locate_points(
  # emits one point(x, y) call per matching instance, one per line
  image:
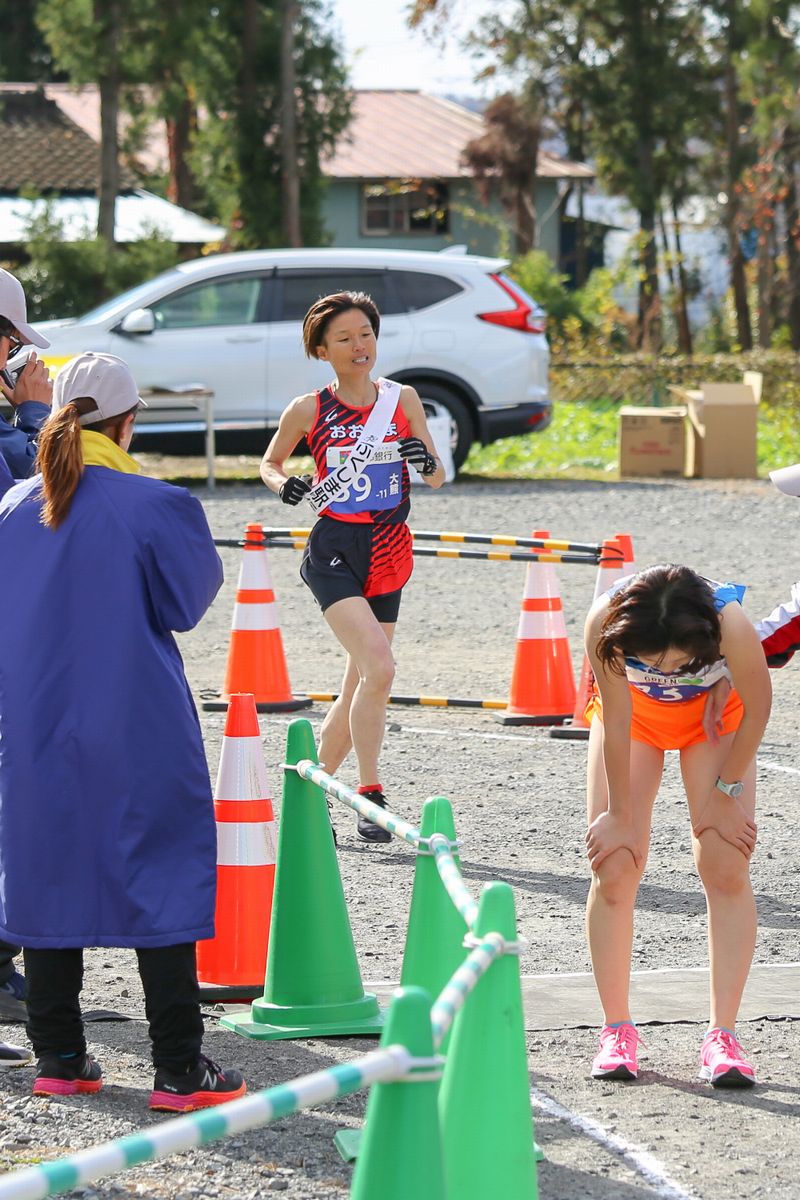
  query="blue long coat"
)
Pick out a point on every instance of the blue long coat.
point(107, 831)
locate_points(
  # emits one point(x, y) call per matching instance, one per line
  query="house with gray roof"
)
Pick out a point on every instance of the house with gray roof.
point(397, 178)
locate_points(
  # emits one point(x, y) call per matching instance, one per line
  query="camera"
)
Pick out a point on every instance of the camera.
point(12, 370)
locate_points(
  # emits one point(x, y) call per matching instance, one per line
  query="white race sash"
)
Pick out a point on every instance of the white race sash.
point(336, 486)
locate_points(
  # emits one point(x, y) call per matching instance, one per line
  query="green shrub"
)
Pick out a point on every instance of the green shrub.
point(638, 379)
point(536, 274)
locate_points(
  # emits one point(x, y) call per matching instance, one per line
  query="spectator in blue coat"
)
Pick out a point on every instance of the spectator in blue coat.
point(30, 398)
point(6, 478)
point(107, 820)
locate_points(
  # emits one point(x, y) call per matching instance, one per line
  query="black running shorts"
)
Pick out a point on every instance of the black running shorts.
point(336, 564)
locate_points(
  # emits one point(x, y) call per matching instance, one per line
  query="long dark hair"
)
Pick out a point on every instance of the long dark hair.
point(661, 608)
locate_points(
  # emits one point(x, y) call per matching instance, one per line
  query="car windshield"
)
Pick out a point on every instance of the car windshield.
point(125, 300)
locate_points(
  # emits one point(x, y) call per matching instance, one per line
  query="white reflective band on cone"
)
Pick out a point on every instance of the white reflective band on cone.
point(254, 571)
point(541, 625)
point(242, 774)
point(245, 843)
point(254, 616)
point(606, 576)
point(540, 582)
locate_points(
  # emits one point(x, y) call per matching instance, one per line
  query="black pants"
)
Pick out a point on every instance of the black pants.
point(7, 953)
point(171, 1000)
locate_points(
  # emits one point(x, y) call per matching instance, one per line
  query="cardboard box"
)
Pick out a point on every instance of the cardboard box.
point(652, 441)
point(723, 421)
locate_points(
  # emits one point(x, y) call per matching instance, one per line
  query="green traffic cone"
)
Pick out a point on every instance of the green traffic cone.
point(313, 986)
point(484, 1098)
point(435, 939)
point(401, 1153)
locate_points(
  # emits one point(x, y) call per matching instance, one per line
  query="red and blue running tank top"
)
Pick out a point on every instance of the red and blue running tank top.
point(381, 494)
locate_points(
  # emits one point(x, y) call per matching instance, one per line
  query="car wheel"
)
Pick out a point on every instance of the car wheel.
point(439, 401)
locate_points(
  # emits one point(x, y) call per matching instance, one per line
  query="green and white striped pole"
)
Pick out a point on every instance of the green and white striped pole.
point(197, 1129)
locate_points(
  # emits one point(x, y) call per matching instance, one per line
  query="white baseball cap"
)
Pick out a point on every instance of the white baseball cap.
point(787, 479)
point(15, 310)
point(103, 378)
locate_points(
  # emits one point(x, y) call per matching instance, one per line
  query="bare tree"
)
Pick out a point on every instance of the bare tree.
point(107, 18)
point(290, 176)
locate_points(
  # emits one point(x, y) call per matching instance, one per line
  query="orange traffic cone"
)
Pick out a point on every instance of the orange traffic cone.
point(542, 686)
point(256, 662)
point(616, 561)
point(235, 959)
point(629, 563)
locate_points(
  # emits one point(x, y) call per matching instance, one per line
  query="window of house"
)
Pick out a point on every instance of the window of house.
point(404, 206)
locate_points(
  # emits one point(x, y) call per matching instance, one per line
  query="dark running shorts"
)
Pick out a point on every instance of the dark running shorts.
point(337, 563)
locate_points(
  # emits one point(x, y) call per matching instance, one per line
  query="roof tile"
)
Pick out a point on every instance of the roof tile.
point(44, 150)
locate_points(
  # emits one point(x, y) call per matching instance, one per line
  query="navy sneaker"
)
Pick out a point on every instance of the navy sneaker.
point(57, 1076)
point(203, 1087)
point(13, 1056)
point(368, 830)
point(12, 999)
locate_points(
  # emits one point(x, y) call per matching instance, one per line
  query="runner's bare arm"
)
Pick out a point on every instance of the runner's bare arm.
point(615, 695)
point(613, 829)
point(741, 647)
point(296, 420)
point(418, 424)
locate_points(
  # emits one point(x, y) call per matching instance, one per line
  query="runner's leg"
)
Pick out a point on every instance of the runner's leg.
point(725, 874)
point(612, 894)
point(335, 740)
point(369, 647)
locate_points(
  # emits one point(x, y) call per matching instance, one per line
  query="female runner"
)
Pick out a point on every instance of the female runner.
point(358, 556)
point(657, 643)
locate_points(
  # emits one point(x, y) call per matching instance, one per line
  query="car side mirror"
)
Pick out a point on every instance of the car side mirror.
point(138, 320)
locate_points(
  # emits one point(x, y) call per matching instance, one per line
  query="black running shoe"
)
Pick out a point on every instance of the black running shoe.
point(12, 999)
point(368, 830)
point(333, 827)
point(67, 1076)
point(203, 1087)
point(14, 1056)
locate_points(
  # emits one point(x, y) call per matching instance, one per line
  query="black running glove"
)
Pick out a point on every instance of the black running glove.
point(295, 488)
point(414, 450)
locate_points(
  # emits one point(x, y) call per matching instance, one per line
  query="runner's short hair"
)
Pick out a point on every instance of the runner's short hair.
point(322, 312)
point(662, 608)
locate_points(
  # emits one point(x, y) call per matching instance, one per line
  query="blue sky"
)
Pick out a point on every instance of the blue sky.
point(383, 52)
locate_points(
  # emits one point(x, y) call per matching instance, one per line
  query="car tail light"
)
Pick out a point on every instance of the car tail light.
point(521, 316)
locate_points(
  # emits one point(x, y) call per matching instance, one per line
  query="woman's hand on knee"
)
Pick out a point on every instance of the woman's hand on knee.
point(608, 833)
point(725, 816)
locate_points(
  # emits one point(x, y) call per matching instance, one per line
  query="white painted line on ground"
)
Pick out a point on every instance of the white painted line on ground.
point(770, 765)
point(468, 733)
point(640, 1160)
point(555, 976)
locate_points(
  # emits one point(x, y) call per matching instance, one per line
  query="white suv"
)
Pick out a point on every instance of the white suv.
point(455, 326)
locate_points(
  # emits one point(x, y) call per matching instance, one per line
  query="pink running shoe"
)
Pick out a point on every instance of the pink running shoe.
point(722, 1061)
point(616, 1058)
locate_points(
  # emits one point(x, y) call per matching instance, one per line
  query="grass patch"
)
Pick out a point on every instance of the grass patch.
point(582, 443)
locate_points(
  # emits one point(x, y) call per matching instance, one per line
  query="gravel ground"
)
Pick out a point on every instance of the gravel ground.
point(518, 799)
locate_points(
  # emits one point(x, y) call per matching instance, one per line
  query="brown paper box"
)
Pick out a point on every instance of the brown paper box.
point(652, 441)
point(723, 420)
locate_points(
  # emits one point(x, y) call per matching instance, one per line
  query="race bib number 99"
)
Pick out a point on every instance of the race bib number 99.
point(378, 486)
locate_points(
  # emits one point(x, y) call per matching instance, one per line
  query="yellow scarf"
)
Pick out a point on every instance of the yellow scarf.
point(100, 451)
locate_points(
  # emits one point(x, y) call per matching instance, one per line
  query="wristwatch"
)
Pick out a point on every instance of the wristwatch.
point(730, 789)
